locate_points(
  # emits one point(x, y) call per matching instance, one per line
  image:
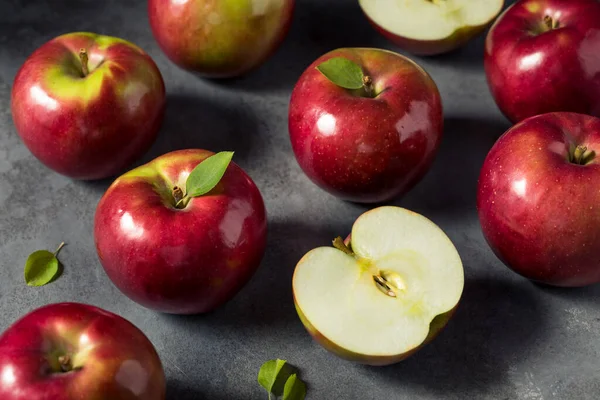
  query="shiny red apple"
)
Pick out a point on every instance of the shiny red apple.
point(88, 105)
point(366, 145)
point(543, 56)
point(219, 38)
point(71, 351)
point(539, 202)
point(180, 259)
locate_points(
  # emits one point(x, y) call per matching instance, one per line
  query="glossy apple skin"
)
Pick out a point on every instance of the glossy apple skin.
point(181, 261)
point(432, 47)
point(537, 210)
point(112, 359)
point(92, 127)
point(557, 70)
point(363, 149)
point(219, 38)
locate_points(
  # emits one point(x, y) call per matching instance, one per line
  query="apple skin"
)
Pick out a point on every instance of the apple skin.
point(436, 326)
point(181, 261)
point(111, 358)
point(361, 149)
point(219, 38)
point(92, 127)
point(458, 39)
point(557, 70)
point(537, 210)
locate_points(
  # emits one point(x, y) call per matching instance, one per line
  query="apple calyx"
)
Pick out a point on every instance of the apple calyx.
point(83, 58)
point(551, 23)
point(581, 155)
point(389, 283)
point(65, 363)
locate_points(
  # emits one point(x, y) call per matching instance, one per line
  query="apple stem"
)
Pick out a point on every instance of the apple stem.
point(339, 244)
point(65, 363)
point(83, 57)
point(581, 155)
point(368, 85)
point(550, 22)
point(177, 194)
point(59, 248)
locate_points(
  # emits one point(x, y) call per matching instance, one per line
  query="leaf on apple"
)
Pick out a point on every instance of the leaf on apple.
point(275, 375)
point(343, 72)
point(207, 174)
point(294, 389)
point(41, 267)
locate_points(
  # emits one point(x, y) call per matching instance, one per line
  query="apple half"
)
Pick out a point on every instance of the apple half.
point(386, 291)
point(428, 27)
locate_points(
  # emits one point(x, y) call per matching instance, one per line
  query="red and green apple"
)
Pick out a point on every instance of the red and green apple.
point(371, 135)
point(220, 38)
point(88, 105)
point(71, 351)
point(384, 292)
point(538, 199)
point(541, 56)
point(171, 251)
point(429, 27)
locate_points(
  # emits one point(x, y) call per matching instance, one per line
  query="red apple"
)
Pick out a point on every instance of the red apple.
point(538, 199)
point(429, 27)
point(542, 56)
point(366, 145)
point(179, 259)
point(219, 38)
point(71, 351)
point(87, 105)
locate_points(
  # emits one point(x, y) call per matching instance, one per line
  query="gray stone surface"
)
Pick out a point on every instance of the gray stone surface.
point(510, 339)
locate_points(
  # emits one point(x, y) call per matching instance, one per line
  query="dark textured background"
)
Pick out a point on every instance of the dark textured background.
point(509, 339)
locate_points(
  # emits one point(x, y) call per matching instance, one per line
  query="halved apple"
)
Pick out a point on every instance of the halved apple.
point(383, 293)
point(428, 27)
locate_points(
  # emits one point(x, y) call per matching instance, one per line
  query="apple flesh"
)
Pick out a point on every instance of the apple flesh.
point(88, 105)
point(429, 27)
point(541, 56)
point(180, 260)
point(71, 351)
point(386, 294)
point(537, 199)
point(366, 148)
point(220, 38)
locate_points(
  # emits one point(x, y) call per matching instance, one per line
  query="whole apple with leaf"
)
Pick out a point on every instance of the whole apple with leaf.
point(365, 124)
point(183, 233)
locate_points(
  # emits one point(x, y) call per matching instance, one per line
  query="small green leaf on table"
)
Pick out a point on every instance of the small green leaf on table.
point(275, 375)
point(41, 267)
point(267, 376)
point(343, 72)
point(294, 388)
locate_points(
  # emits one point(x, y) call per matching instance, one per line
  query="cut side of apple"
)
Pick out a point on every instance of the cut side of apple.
point(431, 26)
point(374, 301)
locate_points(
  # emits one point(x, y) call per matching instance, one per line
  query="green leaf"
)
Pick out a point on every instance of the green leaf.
point(267, 376)
point(343, 72)
point(41, 267)
point(294, 389)
point(207, 174)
